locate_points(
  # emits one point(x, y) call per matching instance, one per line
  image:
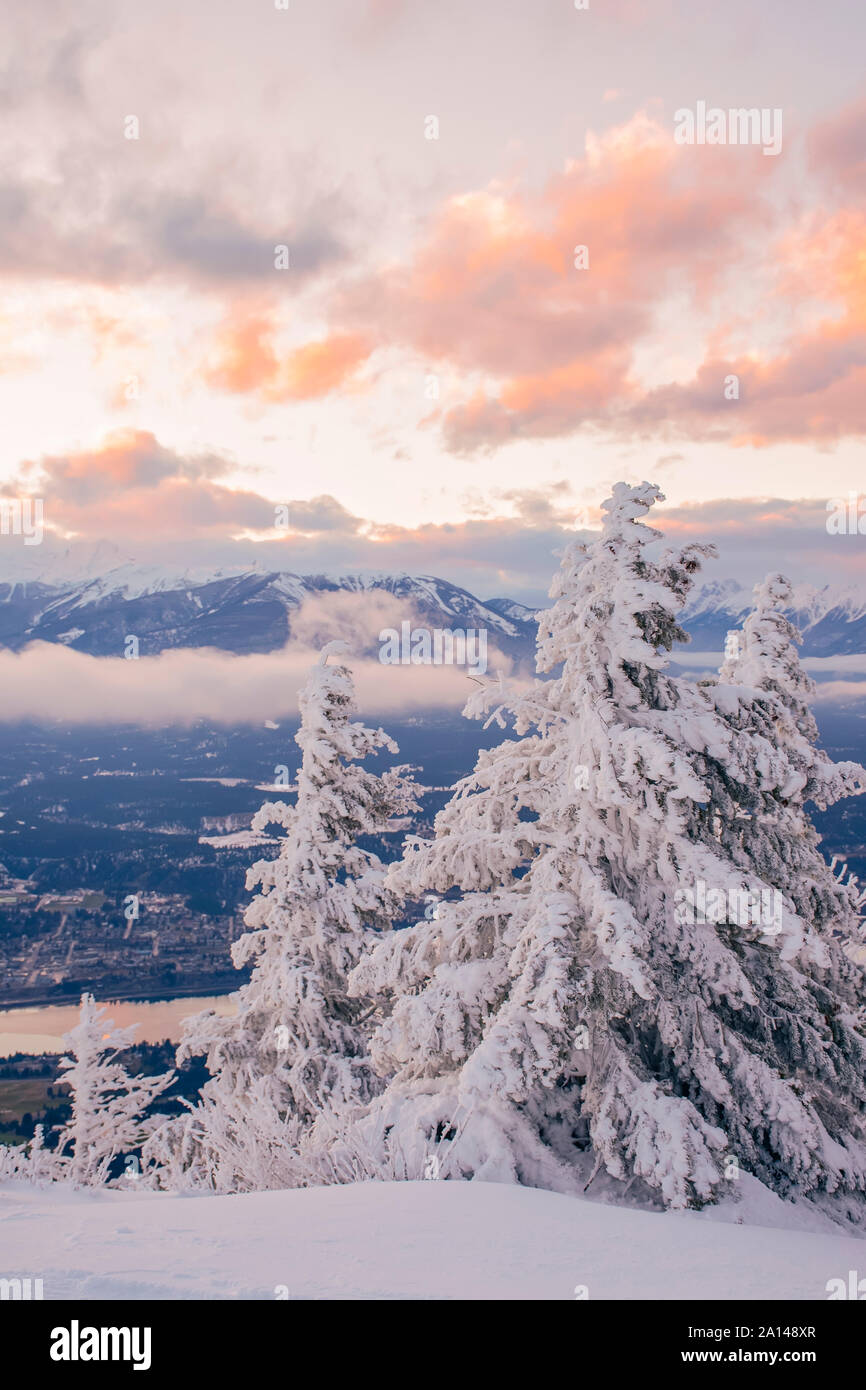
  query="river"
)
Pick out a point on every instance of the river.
point(41, 1028)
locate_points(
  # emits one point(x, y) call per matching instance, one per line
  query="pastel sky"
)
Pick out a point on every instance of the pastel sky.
point(432, 384)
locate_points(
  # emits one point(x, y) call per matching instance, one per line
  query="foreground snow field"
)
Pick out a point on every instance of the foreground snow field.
point(440, 1240)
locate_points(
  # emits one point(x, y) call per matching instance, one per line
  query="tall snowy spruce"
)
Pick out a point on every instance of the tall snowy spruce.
point(637, 968)
point(297, 1048)
point(765, 659)
point(109, 1106)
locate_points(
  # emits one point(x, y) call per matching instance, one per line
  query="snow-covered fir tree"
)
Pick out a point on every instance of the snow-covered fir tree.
point(633, 976)
point(109, 1105)
point(764, 657)
point(32, 1161)
point(297, 1047)
point(766, 661)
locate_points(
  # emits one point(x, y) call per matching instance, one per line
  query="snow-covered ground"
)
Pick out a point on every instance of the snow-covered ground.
point(440, 1240)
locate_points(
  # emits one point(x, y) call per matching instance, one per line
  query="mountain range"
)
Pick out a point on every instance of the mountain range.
point(252, 610)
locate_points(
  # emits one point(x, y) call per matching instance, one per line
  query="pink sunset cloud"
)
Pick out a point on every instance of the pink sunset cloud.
point(501, 287)
point(247, 361)
point(495, 289)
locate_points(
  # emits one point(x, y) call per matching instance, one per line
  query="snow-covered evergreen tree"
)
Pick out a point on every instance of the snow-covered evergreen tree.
point(108, 1104)
point(15, 1158)
point(33, 1161)
point(767, 660)
point(297, 1047)
point(630, 976)
point(778, 713)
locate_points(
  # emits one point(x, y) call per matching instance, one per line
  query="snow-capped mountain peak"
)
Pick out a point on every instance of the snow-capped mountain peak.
point(88, 597)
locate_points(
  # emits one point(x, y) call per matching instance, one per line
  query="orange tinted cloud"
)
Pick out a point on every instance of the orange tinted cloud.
point(812, 388)
point(246, 358)
point(316, 369)
point(497, 292)
point(127, 460)
point(137, 487)
point(248, 363)
point(498, 286)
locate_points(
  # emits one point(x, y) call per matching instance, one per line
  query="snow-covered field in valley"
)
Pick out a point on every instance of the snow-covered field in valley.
point(421, 1240)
